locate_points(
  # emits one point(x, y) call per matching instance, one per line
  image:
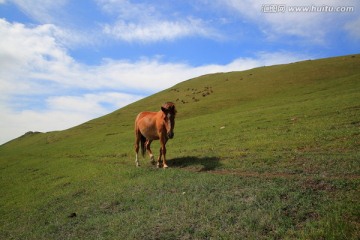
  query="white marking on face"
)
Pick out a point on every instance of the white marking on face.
point(169, 117)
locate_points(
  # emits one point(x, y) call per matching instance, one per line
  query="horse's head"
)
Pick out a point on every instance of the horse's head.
point(170, 112)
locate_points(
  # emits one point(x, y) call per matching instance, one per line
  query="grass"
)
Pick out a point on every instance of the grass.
point(269, 153)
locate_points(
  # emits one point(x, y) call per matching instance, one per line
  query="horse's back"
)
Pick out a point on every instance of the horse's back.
point(147, 115)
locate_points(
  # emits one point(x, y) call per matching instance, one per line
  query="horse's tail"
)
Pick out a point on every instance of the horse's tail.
point(142, 143)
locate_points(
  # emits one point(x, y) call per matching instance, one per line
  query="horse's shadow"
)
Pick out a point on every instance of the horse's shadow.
point(206, 163)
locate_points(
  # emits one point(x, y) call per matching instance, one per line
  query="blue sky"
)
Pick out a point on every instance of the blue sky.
point(65, 62)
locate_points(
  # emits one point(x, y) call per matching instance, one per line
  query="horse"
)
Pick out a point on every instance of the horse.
point(151, 126)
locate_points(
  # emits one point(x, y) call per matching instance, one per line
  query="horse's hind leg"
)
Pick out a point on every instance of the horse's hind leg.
point(147, 144)
point(137, 140)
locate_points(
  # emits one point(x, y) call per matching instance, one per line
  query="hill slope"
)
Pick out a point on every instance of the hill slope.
point(285, 137)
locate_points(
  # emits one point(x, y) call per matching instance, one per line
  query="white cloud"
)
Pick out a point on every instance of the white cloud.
point(43, 11)
point(15, 124)
point(91, 104)
point(125, 9)
point(142, 22)
point(155, 30)
point(260, 59)
point(30, 55)
point(61, 112)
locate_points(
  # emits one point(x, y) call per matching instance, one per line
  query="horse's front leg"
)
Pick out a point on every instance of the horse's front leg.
point(159, 159)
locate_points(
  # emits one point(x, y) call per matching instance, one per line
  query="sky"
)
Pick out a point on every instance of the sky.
point(64, 62)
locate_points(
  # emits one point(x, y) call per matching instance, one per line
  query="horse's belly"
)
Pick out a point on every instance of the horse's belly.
point(150, 133)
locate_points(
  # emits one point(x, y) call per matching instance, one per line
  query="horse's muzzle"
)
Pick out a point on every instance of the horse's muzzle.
point(170, 135)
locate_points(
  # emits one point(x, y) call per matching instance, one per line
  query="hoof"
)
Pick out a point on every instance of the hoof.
point(165, 166)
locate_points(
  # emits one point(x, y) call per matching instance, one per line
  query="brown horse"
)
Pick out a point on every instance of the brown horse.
point(151, 126)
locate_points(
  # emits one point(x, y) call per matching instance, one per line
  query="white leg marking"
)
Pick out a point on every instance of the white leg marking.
point(137, 161)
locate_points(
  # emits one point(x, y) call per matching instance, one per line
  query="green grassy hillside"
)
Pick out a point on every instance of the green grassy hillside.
point(272, 152)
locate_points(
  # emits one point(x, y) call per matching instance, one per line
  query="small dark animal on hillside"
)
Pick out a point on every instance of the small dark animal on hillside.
point(151, 126)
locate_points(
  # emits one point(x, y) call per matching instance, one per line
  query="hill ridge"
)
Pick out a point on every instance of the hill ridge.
point(192, 95)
